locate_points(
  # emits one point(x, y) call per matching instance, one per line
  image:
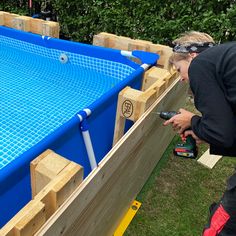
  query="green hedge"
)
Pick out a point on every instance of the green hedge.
point(155, 20)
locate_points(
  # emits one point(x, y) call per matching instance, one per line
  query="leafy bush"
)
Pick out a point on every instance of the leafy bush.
point(155, 20)
point(14, 6)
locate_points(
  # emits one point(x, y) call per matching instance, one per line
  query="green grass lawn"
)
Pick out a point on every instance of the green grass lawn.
point(176, 198)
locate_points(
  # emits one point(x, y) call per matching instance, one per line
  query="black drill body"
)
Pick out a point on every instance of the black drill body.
point(187, 149)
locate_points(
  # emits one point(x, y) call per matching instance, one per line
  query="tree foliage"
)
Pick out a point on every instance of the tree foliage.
point(155, 20)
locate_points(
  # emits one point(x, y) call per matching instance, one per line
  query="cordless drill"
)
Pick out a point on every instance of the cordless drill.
point(186, 149)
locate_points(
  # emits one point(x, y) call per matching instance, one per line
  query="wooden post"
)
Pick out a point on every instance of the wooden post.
point(59, 188)
point(1, 18)
point(9, 19)
point(50, 28)
point(105, 40)
point(27, 221)
point(152, 75)
point(126, 109)
point(131, 105)
point(164, 51)
point(22, 23)
point(45, 168)
point(29, 24)
point(54, 178)
point(125, 43)
point(139, 45)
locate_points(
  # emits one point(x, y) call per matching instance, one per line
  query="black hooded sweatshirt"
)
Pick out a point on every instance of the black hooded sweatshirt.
point(212, 76)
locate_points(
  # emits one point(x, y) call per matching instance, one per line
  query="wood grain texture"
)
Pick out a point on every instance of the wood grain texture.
point(103, 198)
point(209, 160)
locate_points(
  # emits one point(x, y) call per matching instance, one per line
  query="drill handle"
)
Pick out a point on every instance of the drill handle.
point(189, 139)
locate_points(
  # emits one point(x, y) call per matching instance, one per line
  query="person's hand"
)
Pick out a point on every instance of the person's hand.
point(181, 121)
point(190, 132)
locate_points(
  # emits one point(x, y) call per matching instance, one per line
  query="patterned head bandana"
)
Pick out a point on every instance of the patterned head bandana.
point(193, 47)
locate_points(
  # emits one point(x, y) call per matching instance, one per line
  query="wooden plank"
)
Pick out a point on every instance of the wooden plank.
point(137, 44)
point(29, 24)
point(63, 177)
point(164, 51)
point(106, 194)
point(22, 23)
point(28, 220)
point(155, 74)
point(1, 18)
point(36, 26)
point(59, 188)
point(99, 40)
point(105, 40)
point(50, 28)
point(9, 19)
point(123, 43)
point(131, 105)
point(126, 107)
point(45, 168)
point(159, 86)
point(32, 221)
point(170, 79)
point(209, 160)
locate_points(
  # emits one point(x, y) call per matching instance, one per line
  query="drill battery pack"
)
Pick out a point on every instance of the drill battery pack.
point(187, 149)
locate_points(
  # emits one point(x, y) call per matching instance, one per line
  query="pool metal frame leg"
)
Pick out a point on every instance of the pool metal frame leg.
point(86, 137)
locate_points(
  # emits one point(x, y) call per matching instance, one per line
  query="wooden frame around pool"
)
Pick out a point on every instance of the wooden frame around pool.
point(100, 202)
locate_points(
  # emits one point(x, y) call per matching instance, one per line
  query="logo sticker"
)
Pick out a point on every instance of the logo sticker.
point(127, 108)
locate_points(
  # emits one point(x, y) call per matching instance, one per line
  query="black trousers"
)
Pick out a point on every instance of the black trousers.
point(222, 220)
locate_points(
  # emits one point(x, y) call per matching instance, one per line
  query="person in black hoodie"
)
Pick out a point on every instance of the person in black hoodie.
point(211, 71)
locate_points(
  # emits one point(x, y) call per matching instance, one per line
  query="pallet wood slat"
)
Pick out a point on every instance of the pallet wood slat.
point(208, 160)
point(27, 221)
point(62, 178)
point(133, 103)
point(29, 24)
point(137, 44)
point(60, 187)
point(36, 26)
point(156, 73)
point(32, 221)
point(1, 18)
point(105, 39)
point(9, 19)
point(22, 23)
point(125, 43)
point(164, 52)
point(50, 28)
point(45, 168)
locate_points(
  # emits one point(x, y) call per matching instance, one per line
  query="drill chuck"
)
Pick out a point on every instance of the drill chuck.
point(166, 115)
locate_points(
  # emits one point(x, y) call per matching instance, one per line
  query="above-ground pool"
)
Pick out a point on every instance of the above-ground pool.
point(52, 91)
